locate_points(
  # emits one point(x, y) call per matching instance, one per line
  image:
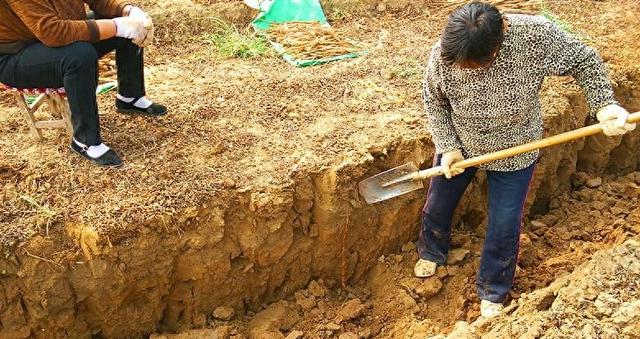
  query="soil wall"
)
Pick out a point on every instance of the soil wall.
point(247, 248)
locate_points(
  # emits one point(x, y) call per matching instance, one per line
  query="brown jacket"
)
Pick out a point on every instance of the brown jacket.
point(53, 22)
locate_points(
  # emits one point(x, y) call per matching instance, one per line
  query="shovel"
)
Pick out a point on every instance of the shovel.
point(407, 178)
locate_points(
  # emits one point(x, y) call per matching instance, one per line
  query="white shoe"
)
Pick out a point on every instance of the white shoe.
point(490, 309)
point(425, 268)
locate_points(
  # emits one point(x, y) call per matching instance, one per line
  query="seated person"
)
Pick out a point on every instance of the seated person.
point(51, 43)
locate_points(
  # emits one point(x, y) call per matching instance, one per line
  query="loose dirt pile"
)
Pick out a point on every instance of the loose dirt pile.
point(600, 299)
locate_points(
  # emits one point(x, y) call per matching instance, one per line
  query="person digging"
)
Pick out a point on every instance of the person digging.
point(52, 44)
point(481, 94)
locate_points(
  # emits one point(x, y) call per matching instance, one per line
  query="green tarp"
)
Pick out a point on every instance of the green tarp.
point(282, 11)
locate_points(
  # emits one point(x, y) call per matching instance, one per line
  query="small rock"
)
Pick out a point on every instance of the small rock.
point(594, 183)
point(618, 211)
point(332, 327)
point(224, 313)
point(280, 316)
point(456, 255)
point(348, 335)
point(352, 309)
point(429, 287)
point(306, 303)
point(228, 183)
point(579, 179)
point(381, 7)
point(462, 329)
point(441, 272)
point(599, 205)
point(606, 304)
point(627, 314)
point(200, 320)
point(397, 258)
point(316, 289)
point(266, 334)
point(536, 224)
point(452, 270)
point(410, 284)
point(295, 335)
point(407, 302)
point(222, 332)
point(550, 219)
point(409, 247)
point(387, 74)
point(218, 148)
point(323, 306)
point(619, 222)
point(365, 334)
point(584, 195)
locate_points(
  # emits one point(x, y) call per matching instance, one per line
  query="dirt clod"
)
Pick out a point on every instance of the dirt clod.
point(409, 247)
point(295, 335)
point(276, 317)
point(224, 313)
point(594, 183)
point(578, 179)
point(352, 309)
point(348, 335)
point(456, 255)
point(316, 289)
point(305, 302)
point(221, 332)
point(429, 287)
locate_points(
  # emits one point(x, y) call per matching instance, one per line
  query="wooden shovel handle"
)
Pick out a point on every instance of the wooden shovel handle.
point(528, 147)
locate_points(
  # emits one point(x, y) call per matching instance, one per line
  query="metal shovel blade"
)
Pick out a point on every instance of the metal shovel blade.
point(377, 188)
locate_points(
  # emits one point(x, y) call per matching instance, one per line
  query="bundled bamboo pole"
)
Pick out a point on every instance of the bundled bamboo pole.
point(310, 40)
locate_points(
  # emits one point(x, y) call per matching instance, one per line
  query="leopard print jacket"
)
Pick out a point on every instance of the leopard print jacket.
point(484, 110)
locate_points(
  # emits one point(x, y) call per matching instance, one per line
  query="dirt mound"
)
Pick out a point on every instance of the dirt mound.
point(600, 299)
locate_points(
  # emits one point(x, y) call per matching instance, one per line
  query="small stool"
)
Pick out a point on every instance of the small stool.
point(55, 99)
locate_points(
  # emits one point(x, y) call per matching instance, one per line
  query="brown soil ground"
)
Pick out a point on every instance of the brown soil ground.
point(251, 125)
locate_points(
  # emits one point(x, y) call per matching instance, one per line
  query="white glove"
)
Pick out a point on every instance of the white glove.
point(147, 39)
point(614, 120)
point(131, 28)
point(137, 13)
point(449, 159)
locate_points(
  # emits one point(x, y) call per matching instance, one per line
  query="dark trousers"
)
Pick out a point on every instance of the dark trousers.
point(75, 67)
point(507, 195)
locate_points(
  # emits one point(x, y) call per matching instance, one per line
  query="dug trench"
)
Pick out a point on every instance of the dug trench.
point(257, 248)
point(307, 256)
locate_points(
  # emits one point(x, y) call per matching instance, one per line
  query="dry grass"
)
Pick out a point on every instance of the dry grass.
point(311, 40)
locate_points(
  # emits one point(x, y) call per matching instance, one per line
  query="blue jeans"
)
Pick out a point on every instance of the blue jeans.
point(507, 195)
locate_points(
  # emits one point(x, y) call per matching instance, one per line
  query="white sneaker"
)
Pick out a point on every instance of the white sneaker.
point(490, 309)
point(425, 268)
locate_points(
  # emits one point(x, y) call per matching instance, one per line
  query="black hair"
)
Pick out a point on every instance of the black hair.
point(473, 34)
